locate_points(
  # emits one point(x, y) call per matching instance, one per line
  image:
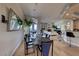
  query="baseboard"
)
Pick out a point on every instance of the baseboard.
point(17, 46)
point(72, 44)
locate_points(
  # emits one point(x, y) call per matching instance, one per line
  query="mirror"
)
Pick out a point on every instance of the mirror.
point(14, 22)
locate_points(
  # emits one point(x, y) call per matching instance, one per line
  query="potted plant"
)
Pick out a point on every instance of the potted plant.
point(27, 22)
point(26, 25)
point(19, 21)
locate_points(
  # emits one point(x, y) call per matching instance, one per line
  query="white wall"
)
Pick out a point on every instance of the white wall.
point(16, 7)
point(9, 41)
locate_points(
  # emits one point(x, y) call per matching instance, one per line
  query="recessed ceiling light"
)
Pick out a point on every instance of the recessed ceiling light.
point(34, 9)
point(36, 3)
point(64, 12)
point(67, 14)
point(74, 18)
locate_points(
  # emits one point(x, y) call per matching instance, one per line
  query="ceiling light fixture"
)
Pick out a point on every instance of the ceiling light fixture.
point(36, 3)
point(67, 14)
point(66, 8)
point(74, 18)
point(35, 7)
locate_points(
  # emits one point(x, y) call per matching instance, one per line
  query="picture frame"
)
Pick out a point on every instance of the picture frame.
point(12, 23)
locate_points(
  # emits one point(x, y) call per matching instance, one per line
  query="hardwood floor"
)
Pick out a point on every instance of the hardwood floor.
point(60, 49)
point(63, 49)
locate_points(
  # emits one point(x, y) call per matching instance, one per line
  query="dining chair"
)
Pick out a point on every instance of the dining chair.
point(44, 48)
point(28, 45)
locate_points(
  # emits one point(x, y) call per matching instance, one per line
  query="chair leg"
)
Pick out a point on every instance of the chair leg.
point(41, 50)
point(33, 49)
point(37, 50)
point(52, 48)
point(26, 51)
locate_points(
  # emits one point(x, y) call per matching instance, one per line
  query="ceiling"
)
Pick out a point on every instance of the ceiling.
point(72, 12)
point(46, 11)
